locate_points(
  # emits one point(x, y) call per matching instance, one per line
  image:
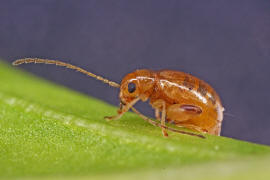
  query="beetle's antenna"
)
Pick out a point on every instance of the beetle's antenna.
point(165, 127)
point(70, 66)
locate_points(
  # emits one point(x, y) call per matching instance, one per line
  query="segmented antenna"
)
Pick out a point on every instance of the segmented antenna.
point(69, 66)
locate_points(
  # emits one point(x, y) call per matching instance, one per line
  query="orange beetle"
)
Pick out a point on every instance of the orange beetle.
point(180, 98)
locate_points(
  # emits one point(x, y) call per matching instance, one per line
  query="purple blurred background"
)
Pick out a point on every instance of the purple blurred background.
point(226, 43)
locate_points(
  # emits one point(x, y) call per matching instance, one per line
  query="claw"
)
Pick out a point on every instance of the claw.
point(165, 134)
point(109, 117)
point(113, 117)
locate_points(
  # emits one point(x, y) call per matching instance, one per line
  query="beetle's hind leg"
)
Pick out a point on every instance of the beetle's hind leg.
point(184, 115)
point(183, 112)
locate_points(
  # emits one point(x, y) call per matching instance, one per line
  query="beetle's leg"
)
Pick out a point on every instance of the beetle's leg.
point(163, 119)
point(157, 114)
point(184, 115)
point(157, 105)
point(123, 109)
point(183, 112)
point(192, 127)
point(154, 123)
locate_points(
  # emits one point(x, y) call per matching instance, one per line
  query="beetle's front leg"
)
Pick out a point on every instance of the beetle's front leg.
point(123, 109)
point(120, 113)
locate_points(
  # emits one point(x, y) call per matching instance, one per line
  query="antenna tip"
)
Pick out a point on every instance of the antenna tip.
point(17, 62)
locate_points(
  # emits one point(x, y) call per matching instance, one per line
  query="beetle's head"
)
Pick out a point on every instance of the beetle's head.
point(139, 83)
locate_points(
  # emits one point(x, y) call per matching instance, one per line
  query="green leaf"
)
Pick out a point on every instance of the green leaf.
point(49, 131)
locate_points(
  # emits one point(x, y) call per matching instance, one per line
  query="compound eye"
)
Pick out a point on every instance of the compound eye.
point(131, 87)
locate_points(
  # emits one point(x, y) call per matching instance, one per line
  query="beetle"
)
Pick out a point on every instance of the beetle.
point(177, 97)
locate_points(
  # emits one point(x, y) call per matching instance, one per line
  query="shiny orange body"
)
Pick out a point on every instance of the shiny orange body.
point(177, 97)
point(188, 101)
